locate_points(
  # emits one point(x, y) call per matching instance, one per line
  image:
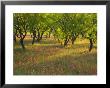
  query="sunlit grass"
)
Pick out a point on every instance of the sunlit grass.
point(50, 58)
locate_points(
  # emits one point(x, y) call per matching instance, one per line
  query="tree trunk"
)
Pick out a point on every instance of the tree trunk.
point(15, 38)
point(33, 40)
point(73, 39)
point(65, 42)
point(91, 45)
point(49, 34)
point(41, 35)
point(58, 40)
point(34, 36)
point(38, 38)
point(22, 43)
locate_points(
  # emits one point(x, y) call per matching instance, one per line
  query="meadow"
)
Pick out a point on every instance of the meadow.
point(48, 57)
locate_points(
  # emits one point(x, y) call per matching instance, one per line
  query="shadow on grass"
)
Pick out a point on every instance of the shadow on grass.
point(54, 43)
point(43, 41)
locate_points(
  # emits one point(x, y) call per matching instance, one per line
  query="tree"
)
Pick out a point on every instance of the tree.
point(65, 27)
point(90, 29)
point(20, 27)
point(33, 25)
point(63, 20)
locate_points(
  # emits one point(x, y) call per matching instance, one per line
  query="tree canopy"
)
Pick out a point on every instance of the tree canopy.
point(63, 26)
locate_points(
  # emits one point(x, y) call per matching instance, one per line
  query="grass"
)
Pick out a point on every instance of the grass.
point(50, 58)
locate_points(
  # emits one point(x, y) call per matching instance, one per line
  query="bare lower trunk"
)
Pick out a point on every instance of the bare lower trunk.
point(58, 40)
point(33, 40)
point(66, 42)
point(73, 39)
point(91, 45)
point(38, 38)
point(14, 38)
point(33, 36)
point(41, 35)
point(22, 43)
point(49, 34)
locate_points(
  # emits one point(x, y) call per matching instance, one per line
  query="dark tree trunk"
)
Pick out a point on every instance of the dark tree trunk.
point(58, 40)
point(41, 35)
point(14, 37)
point(66, 42)
point(22, 43)
point(38, 38)
point(33, 40)
point(22, 36)
point(73, 39)
point(34, 36)
point(31, 36)
point(91, 45)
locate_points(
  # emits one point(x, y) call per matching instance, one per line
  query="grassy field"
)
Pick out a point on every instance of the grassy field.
point(50, 58)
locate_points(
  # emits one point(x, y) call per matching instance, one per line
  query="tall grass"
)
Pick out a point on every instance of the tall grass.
point(50, 58)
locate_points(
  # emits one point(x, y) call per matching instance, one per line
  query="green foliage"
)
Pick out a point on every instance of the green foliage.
point(90, 28)
point(20, 23)
point(63, 26)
